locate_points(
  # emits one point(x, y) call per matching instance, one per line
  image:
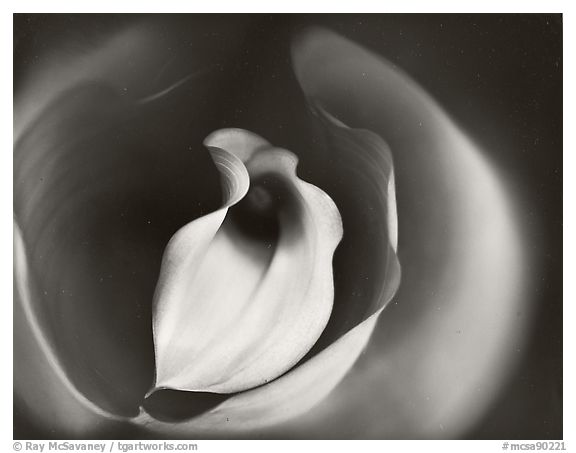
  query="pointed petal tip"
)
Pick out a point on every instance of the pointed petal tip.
point(156, 388)
point(255, 303)
point(150, 392)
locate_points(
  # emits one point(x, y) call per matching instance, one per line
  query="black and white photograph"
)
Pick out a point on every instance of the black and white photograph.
point(287, 226)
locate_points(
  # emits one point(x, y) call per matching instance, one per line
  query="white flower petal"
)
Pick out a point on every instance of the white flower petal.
point(98, 191)
point(281, 400)
point(443, 353)
point(312, 380)
point(232, 312)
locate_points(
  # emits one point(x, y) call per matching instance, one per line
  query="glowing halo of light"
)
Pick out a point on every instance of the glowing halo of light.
point(461, 245)
point(460, 374)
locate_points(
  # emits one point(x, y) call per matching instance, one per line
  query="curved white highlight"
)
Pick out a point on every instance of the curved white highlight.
point(172, 87)
point(435, 381)
point(67, 409)
point(43, 386)
point(441, 376)
point(230, 313)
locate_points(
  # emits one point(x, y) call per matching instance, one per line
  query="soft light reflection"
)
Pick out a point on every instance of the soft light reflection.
point(442, 353)
point(105, 62)
point(41, 383)
point(446, 349)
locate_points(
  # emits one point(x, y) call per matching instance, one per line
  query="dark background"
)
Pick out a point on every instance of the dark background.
point(499, 76)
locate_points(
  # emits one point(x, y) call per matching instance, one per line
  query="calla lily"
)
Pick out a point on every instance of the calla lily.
point(232, 313)
point(246, 302)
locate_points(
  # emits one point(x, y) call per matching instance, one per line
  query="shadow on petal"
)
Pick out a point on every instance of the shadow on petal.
point(100, 187)
point(232, 311)
point(441, 355)
point(320, 371)
point(173, 406)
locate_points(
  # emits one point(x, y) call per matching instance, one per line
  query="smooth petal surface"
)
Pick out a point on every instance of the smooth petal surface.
point(314, 378)
point(50, 396)
point(440, 356)
point(100, 186)
point(231, 311)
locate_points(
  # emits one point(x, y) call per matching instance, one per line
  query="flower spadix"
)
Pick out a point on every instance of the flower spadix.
point(245, 291)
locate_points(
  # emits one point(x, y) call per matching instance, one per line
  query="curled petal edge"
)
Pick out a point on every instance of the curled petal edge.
point(305, 385)
point(232, 312)
point(474, 275)
point(282, 399)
